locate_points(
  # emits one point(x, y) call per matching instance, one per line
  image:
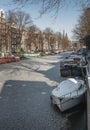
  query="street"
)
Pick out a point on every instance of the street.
point(25, 89)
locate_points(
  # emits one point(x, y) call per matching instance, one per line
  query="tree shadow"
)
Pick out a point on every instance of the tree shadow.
point(25, 105)
point(50, 69)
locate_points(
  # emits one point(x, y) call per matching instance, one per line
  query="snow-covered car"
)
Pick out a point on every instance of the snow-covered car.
point(69, 93)
point(72, 65)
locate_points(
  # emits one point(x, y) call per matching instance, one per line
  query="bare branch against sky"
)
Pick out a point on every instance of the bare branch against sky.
point(52, 5)
point(20, 18)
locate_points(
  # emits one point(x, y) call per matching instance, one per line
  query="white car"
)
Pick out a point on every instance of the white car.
point(69, 93)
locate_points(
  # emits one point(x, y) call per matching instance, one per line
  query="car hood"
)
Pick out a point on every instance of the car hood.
point(67, 86)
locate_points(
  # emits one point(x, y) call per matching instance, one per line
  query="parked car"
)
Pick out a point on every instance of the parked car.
point(69, 93)
point(72, 65)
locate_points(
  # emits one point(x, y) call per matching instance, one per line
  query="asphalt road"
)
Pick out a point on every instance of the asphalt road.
point(25, 89)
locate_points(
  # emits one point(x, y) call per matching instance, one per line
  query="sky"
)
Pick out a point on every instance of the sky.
point(66, 20)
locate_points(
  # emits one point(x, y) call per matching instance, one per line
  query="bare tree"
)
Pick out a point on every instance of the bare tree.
point(48, 31)
point(33, 38)
point(41, 41)
point(19, 20)
point(59, 39)
point(52, 42)
point(82, 29)
point(52, 5)
point(48, 34)
point(65, 42)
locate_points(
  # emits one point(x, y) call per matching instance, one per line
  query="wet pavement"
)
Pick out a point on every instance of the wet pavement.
point(25, 89)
